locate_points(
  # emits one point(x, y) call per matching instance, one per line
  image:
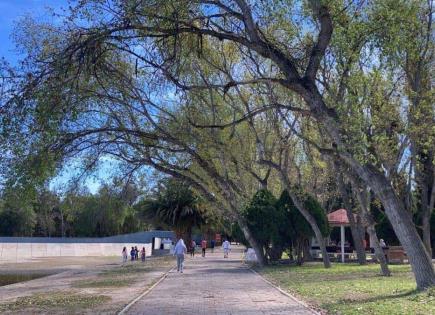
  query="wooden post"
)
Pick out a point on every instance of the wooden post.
point(342, 243)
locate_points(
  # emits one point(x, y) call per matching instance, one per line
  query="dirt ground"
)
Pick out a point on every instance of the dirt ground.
point(78, 285)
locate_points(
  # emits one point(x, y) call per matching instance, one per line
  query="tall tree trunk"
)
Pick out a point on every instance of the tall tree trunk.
point(379, 251)
point(299, 252)
point(188, 237)
point(431, 208)
point(403, 226)
point(306, 251)
point(364, 201)
point(310, 219)
point(427, 204)
point(356, 234)
point(426, 215)
point(261, 259)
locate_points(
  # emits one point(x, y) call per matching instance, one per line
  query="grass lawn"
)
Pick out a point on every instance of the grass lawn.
point(353, 289)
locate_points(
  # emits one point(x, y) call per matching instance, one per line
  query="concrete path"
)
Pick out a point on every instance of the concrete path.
point(216, 286)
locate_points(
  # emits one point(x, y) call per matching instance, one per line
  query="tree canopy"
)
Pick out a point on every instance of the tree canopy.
point(232, 95)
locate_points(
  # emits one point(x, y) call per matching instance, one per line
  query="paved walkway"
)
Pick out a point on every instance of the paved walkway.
point(216, 286)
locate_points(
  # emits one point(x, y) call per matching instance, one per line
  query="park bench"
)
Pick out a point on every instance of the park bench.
point(396, 254)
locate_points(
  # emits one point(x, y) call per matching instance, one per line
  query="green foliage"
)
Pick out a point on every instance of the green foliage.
point(299, 227)
point(174, 205)
point(17, 217)
point(42, 213)
point(261, 217)
point(277, 224)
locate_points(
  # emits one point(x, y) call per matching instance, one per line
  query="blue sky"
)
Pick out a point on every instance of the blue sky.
point(10, 13)
point(12, 10)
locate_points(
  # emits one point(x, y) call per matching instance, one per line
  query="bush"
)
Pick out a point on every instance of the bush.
point(277, 225)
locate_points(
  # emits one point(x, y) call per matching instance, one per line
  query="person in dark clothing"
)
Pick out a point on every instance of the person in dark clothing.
point(143, 254)
point(132, 253)
point(203, 246)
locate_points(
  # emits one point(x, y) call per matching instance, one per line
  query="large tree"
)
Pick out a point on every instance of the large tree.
point(174, 205)
point(136, 60)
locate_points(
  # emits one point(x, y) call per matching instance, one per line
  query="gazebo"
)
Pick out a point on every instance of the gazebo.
point(339, 218)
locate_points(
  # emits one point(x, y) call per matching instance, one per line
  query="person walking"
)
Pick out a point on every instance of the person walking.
point(227, 247)
point(192, 248)
point(179, 251)
point(124, 255)
point(212, 244)
point(132, 253)
point(136, 253)
point(143, 254)
point(203, 246)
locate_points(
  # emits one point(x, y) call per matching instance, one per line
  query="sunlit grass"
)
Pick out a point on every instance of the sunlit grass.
point(353, 289)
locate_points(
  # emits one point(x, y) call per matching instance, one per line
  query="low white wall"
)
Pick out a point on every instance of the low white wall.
point(13, 251)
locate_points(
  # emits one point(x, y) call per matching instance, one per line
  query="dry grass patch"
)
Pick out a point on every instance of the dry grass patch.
point(70, 301)
point(124, 275)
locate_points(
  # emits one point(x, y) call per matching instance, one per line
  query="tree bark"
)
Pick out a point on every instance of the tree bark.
point(356, 235)
point(379, 251)
point(426, 215)
point(403, 226)
point(306, 251)
point(427, 201)
point(363, 199)
point(310, 219)
point(261, 259)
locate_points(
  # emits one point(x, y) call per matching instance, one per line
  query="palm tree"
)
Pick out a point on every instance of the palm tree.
point(175, 205)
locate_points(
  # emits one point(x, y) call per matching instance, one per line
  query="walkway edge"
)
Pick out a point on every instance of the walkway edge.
point(125, 309)
point(285, 293)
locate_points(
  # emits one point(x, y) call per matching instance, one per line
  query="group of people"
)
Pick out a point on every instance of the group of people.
point(134, 254)
point(180, 250)
point(203, 247)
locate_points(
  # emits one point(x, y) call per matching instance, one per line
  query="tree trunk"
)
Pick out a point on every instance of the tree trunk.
point(431, 208)
point(379, 251)
point(427, 204)
point(310, 219)
point(257, 248)
point(363, 198)
point(188, 237)
point(404, 228)
point(356, 235)
point(426, 230)
point(299, 252)
point(306, 251)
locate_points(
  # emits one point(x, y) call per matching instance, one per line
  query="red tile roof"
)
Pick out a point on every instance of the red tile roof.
point(338, 217)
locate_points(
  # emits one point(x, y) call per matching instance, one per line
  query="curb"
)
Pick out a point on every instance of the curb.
point(125, 309)
point(286, 293)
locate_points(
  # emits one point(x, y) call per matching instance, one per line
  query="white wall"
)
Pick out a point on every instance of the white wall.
point(18, 251)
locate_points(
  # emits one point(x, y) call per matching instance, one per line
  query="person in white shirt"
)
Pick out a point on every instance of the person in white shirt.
point(124, 255)
point(179, 251)
point(227, 247)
